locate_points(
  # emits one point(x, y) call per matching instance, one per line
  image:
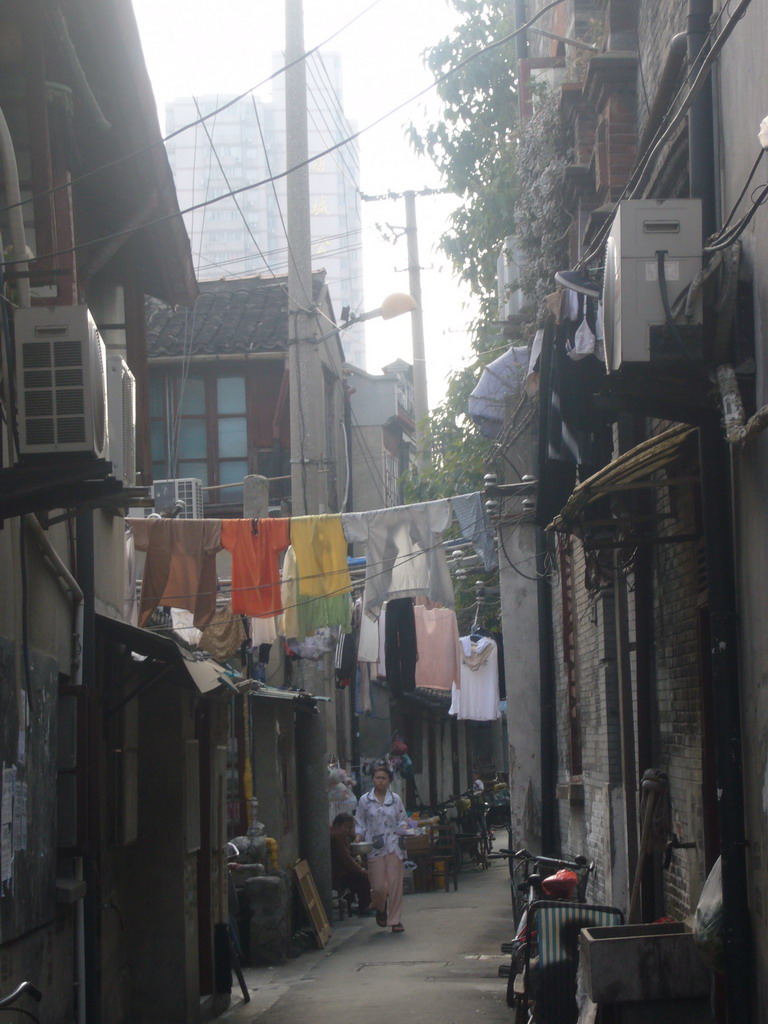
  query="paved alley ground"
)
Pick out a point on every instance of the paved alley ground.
point(443, 968)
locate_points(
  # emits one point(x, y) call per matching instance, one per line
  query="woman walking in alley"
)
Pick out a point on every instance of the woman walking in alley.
point(380, 813)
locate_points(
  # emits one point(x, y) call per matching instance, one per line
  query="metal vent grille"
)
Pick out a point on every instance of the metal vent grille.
point(188, 490)
point(60, 382)
point(121, 394)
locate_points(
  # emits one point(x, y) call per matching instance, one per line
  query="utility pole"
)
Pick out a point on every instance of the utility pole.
point(420, 399)
point(303, 364)
point(307, 399)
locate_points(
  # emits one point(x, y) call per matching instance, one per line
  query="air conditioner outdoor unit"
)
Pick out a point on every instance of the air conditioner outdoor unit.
point(188, 490)
point(60, 382)
point(635, 320)
point(121, 408)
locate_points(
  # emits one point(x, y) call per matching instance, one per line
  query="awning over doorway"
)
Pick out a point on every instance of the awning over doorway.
point(634, 470)
point(206, 674)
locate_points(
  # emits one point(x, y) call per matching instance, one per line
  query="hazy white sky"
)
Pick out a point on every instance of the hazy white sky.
point(200, 47)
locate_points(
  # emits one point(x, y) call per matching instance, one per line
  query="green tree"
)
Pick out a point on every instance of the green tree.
point(510, 179)
point(473, 144)
point(459, 453)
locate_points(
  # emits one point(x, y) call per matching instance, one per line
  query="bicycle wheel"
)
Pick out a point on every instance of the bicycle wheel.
point(511, 985)
point(521, 1010)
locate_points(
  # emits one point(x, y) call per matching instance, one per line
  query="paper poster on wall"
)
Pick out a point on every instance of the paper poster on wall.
point(6, 816)
point(6, 807)
point(6, 853)
point(20, 816)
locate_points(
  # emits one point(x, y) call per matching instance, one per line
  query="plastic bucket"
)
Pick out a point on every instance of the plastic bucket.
point(439, 874)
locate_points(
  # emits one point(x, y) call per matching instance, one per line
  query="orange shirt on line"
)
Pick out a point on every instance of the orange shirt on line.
point(255, 545)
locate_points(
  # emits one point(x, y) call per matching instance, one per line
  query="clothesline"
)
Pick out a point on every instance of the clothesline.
point(356, 566)
point(264, 586)
point(371, 566)
point(405, 557)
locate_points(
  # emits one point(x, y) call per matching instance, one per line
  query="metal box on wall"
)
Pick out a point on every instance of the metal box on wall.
point(638, 329)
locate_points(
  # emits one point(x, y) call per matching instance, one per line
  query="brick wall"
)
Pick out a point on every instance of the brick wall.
point(596, 827)
point(657, 22)
point(678, 682)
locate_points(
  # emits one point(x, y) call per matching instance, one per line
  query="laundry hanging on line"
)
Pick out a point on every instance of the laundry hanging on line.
point(404, 558)
point(477, 699)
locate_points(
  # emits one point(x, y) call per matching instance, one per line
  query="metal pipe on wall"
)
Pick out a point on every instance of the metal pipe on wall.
point(546, 699)
point(716, 495)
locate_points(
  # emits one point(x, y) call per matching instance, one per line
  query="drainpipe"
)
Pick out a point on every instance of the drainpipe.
point(521, 43)
point(16, 212)
point(90, 993)
point(548, 717)
point(277, 442)
point(715, 464)
point(71, 589)
point(701, 136)
point(676, 54)
point(69, 586)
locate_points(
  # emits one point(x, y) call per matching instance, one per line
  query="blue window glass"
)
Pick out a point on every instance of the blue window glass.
point(231, 473)
point(192, 397)
point(230, 395)
point(157, 396)
point(157, 439)
point(233, 437)
point(194, 469)
point(193, 439)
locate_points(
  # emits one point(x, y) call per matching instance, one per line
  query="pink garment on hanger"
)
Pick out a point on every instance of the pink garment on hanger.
point(437, 641)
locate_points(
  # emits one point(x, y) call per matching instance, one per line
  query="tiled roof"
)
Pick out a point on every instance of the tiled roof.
point(244, 315)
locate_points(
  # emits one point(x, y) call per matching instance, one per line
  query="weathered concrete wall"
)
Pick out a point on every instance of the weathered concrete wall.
point(521, 657)
point(274, 776)
point(742, 93)
point(149, 889)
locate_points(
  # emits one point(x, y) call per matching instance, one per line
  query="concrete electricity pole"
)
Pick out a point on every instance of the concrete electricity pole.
point(303, 363)
point(420, 399)
point(306, 399)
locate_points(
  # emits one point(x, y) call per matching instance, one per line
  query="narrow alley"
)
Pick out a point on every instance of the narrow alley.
point(445, 966)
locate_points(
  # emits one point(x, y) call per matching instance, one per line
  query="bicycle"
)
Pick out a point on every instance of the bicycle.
point(568, 882)
point(6, 1002)
point(523, 864)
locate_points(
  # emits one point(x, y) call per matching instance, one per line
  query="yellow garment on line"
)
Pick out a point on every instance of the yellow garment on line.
point(320, 548)
point(302, 615)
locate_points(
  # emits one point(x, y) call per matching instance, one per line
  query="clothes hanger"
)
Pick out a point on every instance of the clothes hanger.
point(477, 625)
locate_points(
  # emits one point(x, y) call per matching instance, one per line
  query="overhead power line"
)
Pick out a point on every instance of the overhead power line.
point(318, 156)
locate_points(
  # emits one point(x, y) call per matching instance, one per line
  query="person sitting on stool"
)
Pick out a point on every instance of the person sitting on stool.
point(346, 872)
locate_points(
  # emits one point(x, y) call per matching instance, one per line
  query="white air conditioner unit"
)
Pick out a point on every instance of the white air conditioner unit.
point(60, 382)
point(635, 320)
point(187, 490)
point(121, 408)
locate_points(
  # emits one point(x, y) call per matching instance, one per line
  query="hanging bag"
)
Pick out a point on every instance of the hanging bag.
point(399, 746)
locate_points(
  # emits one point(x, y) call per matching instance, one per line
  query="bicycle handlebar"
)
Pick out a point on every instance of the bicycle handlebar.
point(524, 855)
point(25, 986)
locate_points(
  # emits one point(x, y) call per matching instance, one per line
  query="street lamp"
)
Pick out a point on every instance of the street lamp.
point(393, 305)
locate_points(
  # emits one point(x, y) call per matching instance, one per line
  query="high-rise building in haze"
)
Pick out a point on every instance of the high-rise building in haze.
point(244, 234)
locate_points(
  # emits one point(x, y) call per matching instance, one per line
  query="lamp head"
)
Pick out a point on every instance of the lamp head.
point(396, 304)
